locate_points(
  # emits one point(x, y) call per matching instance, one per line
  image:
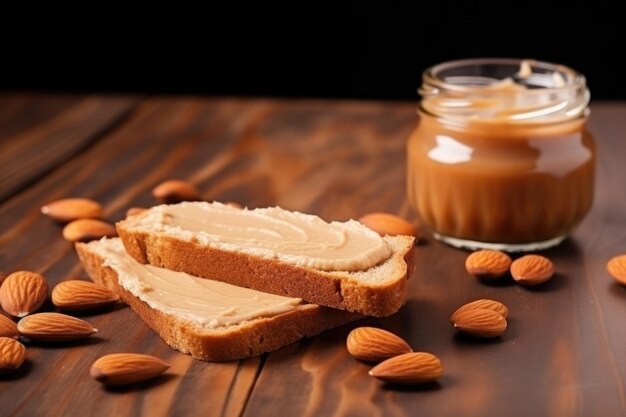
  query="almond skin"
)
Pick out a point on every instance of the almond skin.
point(54, 327)
point(532, 270)
point(12, 355)
point(409, 368)
point(70, 209)
point(370, 344)
point(127, 368)
point(233, 204)
point(175, 191)
point(84, 230)
point(8, 328)
point(388, 224)
point(76, 295)
point(480, 322)
point(133, 211)
point(617, 268)
point(484, 303)
point(23, 292)
point(488, 264)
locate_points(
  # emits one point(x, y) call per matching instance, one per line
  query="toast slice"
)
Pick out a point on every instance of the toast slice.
point(158, 238)
point(230, 323)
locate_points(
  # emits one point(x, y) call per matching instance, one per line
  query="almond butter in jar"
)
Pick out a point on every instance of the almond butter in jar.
point(501, 157)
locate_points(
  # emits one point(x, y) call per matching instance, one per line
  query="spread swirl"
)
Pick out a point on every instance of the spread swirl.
point(274, 233)
point(207, 303)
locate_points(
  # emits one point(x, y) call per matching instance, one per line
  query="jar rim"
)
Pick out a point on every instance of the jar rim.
point(511, 90)
point(432, 75)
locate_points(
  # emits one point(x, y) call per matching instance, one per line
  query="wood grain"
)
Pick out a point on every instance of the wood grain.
point(39, 132)
point(563, 354)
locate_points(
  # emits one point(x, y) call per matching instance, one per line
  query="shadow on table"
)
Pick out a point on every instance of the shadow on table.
point(141, 386)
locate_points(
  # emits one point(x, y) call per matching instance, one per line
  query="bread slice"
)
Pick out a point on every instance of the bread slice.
point(379, 290)
point(106, 262)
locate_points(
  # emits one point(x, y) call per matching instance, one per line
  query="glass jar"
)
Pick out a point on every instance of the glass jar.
point(501, 157)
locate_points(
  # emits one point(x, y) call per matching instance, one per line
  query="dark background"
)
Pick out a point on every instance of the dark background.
point(347, 49)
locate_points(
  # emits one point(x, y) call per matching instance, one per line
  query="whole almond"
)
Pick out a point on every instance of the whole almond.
point(493, 305)
point(70, 209)
point(617, 268)
point(8, 328)
point(76, 295)
point(532, 270)
point(371, 344)
point(480, 322)
point(23, 292)
point(133, 211)
point(127, 368)
point(54, 327)
point(388, 224)
point(174, 191)
point(488, 263)
point(84, 230)
point(12, 355)
point(409, 368)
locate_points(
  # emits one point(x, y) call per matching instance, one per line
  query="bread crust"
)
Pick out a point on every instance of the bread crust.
point(337, 289)
point(233, 342)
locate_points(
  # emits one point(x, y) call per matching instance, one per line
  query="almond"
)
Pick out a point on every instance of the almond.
point(54, 327)
point(23, 292)
point(492, 305)
point(370, 344)
point(532, 270)
point(488, 263)
point(76, 295)
point(233, 204)
point(70, 209)
point(388, 224)
point(133, 211)
point(8, 328)
point(174, 191)
point(617, 268)
point(127, 368)
point(480, 322)
point(12, 355)
point(409, 368)
point(84, 230)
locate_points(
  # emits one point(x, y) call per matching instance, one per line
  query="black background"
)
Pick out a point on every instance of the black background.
point(347, 49)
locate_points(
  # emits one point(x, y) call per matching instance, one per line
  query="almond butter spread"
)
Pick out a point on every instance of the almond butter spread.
point(207, 303)
point(275, 233)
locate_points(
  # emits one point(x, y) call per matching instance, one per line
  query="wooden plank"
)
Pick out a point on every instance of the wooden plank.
point(563, 354)
point(164, 138)
point(39, 132)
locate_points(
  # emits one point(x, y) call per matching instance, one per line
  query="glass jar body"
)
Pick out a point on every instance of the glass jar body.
point(500, 185)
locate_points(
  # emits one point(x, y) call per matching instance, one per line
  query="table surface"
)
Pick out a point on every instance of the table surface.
point(564, 353)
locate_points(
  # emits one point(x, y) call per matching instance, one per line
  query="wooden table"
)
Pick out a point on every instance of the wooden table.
point(564, 353)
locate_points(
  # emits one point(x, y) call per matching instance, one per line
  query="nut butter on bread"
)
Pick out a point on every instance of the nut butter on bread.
point(209, 319)
point(344, 265)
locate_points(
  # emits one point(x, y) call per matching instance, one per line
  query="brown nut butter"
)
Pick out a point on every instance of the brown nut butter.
point(501, 157)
